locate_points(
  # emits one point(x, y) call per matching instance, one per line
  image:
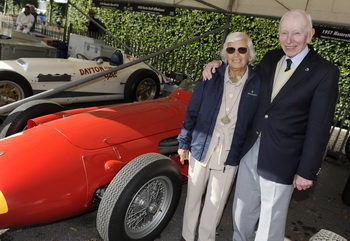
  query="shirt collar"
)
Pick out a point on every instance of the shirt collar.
point(296, 60)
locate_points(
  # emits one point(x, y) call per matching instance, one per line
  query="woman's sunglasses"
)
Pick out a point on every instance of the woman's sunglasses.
point(241, 50)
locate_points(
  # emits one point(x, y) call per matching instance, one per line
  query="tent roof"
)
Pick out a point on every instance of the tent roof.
point(328, 12)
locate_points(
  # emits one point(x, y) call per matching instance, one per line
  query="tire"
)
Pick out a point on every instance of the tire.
point(16, 121)
point(142, 85)
point(149, 186)
point(13, 87)
point(347, 149)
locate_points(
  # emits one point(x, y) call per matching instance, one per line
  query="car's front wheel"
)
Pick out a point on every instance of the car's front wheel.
point(140, 200)
point(13, 87)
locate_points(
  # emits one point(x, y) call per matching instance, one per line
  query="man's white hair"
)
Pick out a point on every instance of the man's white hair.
point(302, 13)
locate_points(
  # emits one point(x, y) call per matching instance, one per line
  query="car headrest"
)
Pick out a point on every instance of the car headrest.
point(117, 58)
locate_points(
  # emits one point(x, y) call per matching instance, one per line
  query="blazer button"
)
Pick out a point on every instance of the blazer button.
point(266, 116)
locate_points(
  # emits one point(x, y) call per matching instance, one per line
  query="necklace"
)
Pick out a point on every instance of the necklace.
point(226, 120)
point(235, 79)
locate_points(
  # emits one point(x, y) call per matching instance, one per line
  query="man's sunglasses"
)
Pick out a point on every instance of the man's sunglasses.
point(241, 50)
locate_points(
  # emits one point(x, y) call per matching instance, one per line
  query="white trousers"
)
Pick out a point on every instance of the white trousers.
point(25, 30)
point(256, 199)
point(217, 186)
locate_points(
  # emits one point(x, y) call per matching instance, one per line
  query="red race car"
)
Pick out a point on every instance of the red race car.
point(121, 159)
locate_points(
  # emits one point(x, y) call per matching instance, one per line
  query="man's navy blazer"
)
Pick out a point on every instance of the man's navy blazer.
point(294, 128)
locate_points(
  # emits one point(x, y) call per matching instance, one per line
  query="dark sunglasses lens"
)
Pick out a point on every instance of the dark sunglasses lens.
point(242, 50)
point(230, 50)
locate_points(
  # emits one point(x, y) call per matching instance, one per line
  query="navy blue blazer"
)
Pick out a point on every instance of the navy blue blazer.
point(294, 127)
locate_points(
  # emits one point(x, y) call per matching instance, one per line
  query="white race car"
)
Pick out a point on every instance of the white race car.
point(24, 77)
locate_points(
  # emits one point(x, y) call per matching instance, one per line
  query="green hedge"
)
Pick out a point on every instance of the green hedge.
point(159, 32)
point(165, 31)
point(150, 31)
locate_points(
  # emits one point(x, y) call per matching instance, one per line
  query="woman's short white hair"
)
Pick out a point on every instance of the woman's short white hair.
point(238, 36)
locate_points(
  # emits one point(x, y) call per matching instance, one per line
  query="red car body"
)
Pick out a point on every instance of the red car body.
point(53, 169)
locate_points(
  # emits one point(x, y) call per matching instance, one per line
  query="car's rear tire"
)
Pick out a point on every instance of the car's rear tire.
point(16, 121)
point(143, 84)
point(13, 87)
point(140, 200)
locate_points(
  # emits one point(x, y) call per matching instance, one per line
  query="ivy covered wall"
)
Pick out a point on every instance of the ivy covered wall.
point(165, 31)
point(150, 32)
point(158, 32)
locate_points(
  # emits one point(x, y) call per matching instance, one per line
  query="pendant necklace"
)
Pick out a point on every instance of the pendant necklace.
point(226, 120)
point(235, 79)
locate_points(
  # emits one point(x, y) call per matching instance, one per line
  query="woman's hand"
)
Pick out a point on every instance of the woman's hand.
point(183, 154)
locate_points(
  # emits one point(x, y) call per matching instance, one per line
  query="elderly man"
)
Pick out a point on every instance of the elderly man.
point(286, 142)
point(25, 20)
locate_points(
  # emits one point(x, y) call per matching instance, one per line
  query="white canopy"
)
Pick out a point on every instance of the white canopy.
point(328, 12)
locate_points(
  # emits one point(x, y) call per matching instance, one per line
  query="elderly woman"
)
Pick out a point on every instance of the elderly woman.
point(212, 135)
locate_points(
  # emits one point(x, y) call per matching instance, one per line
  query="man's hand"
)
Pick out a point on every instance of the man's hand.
point(210, 69)
point(183, 154)
point(301, 183)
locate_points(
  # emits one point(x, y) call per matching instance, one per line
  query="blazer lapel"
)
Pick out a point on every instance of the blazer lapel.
point(271, 75)
point(299, 75)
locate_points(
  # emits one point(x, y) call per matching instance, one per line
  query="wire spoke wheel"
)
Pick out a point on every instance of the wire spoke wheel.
point(140, 200)
point(148, 207)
